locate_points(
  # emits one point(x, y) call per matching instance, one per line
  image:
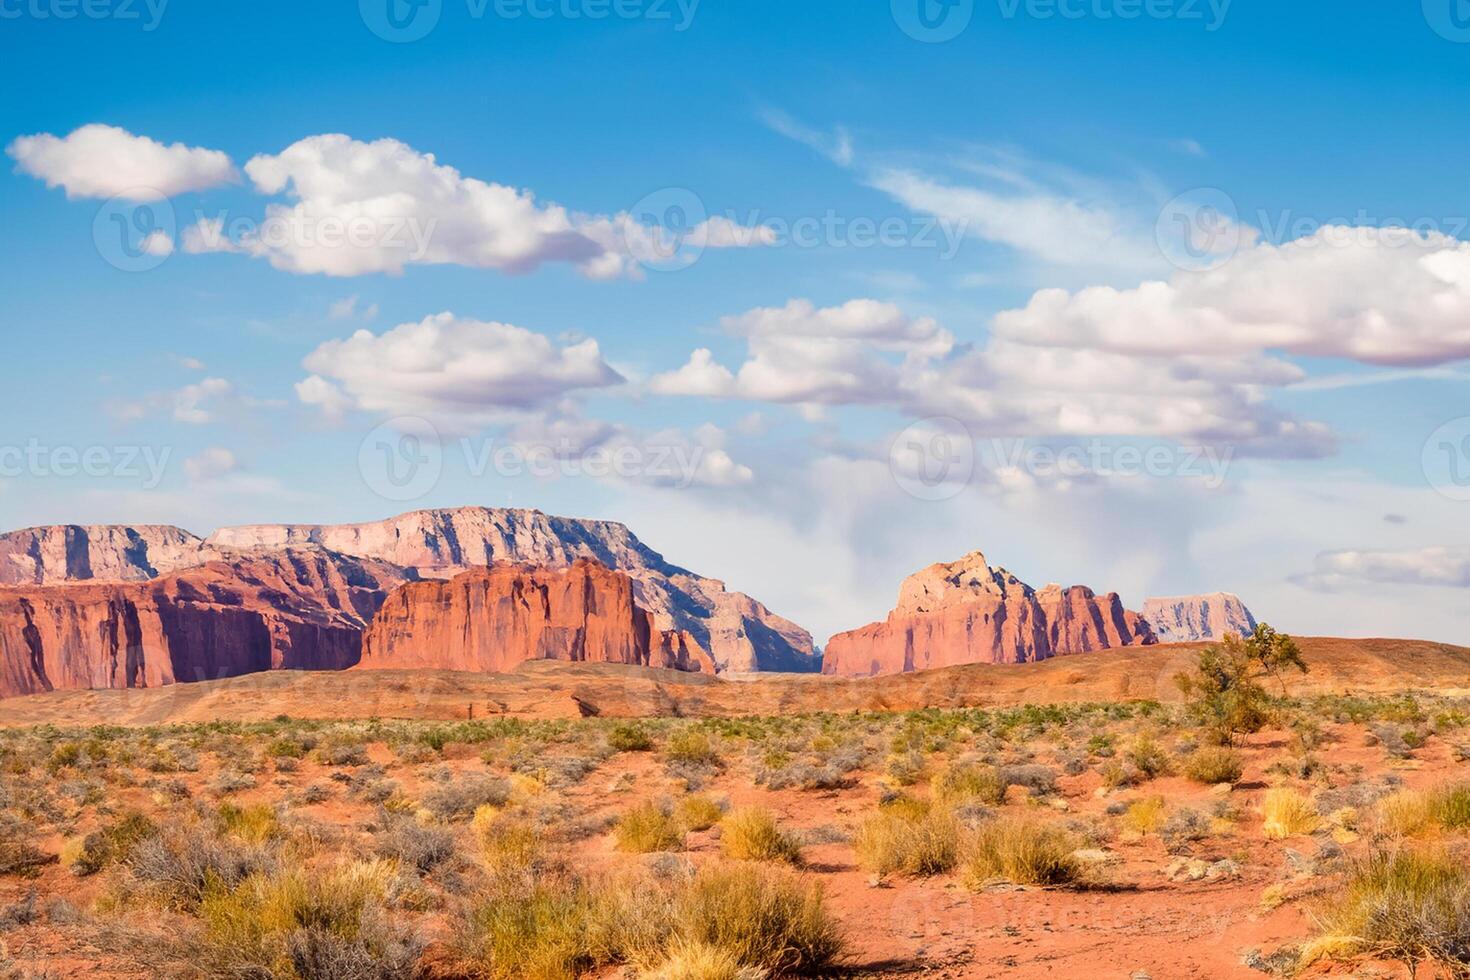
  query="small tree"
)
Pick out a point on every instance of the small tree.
point(1224, 690)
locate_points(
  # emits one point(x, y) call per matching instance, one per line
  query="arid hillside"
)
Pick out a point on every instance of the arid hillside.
point(559, 690)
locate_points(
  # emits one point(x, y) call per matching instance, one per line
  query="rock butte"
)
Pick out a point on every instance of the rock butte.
point(1184, 619)
point(122, 606)
point(966, 612)
point(293, 609)
point(493, 619)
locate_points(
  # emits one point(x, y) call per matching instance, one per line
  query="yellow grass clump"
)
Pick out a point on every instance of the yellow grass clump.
point(1288, 813)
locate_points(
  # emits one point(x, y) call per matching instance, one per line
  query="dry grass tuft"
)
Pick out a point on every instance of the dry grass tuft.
point(1023, 851)
point(647, 828)
point(1288, 813)
point(904, 840)
point(752, 834)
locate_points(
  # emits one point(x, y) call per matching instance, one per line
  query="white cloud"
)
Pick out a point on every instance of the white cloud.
point(835, 146)
point(1388, 296)
point(805, 355)
point(1056, 225)
point(379, 207)
point(210, 465)
point(451, 370)
point(1344, 570)
point(104, 161)
point(191, 402)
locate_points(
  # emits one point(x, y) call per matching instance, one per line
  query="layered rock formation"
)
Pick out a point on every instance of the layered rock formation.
point(294, 609)
point(74, 553)
point(970, 612)
point(1183, 619)
point(737, 631)
point(491, 619)
point(114, 606)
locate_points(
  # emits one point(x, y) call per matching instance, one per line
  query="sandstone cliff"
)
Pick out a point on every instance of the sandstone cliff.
point(1184, 619)
point(295, 609)
point(73, 553)
point(491, 619)
point(738, 632)
point(970, 612)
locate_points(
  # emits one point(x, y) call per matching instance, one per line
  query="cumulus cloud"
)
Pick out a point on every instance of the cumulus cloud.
point(105, 161)
point(451, 370)
point(378, 207)
point(1378, 296)
point(1346, 570)
point(866, 352)
point(805, 355)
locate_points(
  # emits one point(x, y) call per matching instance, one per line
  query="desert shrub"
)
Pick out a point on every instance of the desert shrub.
point(692, 747)
point(508, 845)
point(1039, 779)
point(1412, 906)
point(629, 737)
point(1146, 815)
point(700, 961)
point(179, 866)
point(303, 923)
point(286, 748)
point(1411, 812)
point(905, 841)
point(1022, 851)
point(1288, 813)
point(752, 834)
point(905, 768)
point(802, 774)
point(646, 828)
point(765, 918)
point(1224, 691)
point(110, 845)
point(698, 812)
point(538, 933)
point(413, 845)
point(1183, 828)
point(337, 753)
point(255, 824)
point(1214, 765)
point(229, 781)
point(1148, 757)
point(962, 781)
point(460, 798)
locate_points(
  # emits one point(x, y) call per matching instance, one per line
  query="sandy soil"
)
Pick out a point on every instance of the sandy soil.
point(547, 689)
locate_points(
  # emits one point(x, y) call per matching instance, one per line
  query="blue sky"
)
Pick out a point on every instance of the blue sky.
point(1030, 171)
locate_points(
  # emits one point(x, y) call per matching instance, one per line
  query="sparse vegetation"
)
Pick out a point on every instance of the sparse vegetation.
point(752, 834)
point(1287, 813)
point(1021, 850)
point(1214, 765)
